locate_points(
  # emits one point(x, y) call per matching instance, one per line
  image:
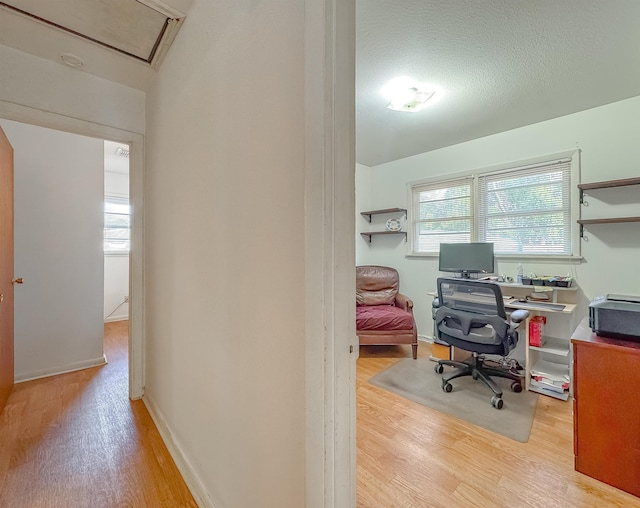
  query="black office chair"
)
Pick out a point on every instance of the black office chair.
point(470, 315)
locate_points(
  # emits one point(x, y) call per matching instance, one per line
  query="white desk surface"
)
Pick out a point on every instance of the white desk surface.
point(513, 303)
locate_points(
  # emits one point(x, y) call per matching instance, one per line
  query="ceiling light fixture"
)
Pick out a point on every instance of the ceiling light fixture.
point(410, 99)
point(406, 94)
point(72, 60)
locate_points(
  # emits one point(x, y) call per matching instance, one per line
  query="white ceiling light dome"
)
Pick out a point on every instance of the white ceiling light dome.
point(407, 94)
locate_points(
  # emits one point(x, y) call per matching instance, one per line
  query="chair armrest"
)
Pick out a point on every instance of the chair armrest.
point(518, 316)
point(404, 302)
point(435, 305)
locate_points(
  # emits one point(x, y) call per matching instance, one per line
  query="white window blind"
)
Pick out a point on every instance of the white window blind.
point(117, 225)
point(527, 210)
point(442, 213)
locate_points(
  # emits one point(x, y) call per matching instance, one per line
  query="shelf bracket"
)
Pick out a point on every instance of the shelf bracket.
point(581, 199)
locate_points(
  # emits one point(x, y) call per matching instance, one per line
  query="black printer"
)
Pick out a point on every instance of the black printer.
point(615, 316)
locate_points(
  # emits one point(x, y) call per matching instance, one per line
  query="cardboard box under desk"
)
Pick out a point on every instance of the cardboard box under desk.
point(441, 351)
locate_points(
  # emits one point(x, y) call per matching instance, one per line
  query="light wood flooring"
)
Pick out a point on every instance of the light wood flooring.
point(76, 440)
point(412, 456)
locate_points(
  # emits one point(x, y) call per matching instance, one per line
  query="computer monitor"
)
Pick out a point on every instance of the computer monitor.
point(466, 258)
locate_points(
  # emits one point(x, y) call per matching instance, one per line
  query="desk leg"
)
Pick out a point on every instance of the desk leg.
point(523, 334)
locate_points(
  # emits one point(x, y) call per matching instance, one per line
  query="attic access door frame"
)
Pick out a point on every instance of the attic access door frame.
point(25, 114)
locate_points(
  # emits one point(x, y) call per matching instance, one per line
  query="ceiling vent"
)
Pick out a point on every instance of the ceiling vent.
point(121, 152)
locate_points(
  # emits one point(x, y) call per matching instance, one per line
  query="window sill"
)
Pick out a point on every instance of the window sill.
point(509, 257)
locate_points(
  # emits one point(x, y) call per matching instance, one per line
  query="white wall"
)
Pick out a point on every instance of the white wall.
point(228, 377)
point(116, 266)
point(608, 139)
point(225, 257)
point(58, 252)
point(363, 200)
point(46, 86)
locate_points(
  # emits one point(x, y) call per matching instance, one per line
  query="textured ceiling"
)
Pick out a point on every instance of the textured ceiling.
point(502, 64)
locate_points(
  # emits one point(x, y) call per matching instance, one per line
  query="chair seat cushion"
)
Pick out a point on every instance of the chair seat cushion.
point(382, 317)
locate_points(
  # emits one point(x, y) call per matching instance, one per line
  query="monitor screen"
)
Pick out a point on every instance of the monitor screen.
point(466, 258)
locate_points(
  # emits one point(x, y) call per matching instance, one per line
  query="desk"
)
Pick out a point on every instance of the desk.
point(555, 350)
point(606, 415)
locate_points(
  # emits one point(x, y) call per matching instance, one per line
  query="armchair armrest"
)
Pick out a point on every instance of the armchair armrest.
point(404, 302)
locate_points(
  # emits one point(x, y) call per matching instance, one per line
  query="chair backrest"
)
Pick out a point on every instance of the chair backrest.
point(376, 285)
point(471, 295)
point(471, 315)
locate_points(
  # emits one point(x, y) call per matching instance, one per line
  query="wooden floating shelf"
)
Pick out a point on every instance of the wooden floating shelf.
point(369, 234)
point(367, 215)
point(609, 183)
point(612, 220)
point(606, 184)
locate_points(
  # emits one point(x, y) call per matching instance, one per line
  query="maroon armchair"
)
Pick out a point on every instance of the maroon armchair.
point(383, 315)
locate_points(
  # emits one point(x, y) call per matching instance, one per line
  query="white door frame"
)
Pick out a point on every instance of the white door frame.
point(331, 342)
point(28, 115)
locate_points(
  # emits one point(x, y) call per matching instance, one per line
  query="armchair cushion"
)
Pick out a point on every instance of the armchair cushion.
point(376, 285)
point(383, 317)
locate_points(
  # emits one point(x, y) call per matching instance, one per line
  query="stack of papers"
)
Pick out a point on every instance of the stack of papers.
point(550, 376)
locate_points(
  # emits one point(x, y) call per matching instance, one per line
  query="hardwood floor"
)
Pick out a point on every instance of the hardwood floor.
point(412, 456)
point(76, 440)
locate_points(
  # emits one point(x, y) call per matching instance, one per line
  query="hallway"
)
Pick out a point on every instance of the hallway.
point(76, 440)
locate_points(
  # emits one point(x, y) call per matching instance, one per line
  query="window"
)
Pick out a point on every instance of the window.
point(443, 213)
point(117, 225)
point(527, 211)
point(523, 210)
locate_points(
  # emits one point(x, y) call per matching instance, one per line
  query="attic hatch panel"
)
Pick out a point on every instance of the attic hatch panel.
point(125, 25)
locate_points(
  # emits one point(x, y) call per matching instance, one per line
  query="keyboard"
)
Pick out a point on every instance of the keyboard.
point(540, 305)
point(489, 295)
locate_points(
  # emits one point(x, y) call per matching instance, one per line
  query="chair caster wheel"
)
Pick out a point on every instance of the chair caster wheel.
point(516, 386)
point(439, 369)
point(497, 402)
point(447, 387)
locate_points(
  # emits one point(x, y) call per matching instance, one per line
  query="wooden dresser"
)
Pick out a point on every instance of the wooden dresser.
point(606, 408)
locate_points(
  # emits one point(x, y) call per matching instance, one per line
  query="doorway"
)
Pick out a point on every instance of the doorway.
point(61, 124)
point(117, 226)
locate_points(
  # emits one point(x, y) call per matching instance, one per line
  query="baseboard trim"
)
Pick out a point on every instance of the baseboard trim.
point(72, 367)
point(123, 317)
point(191, 478)
point(425, 338)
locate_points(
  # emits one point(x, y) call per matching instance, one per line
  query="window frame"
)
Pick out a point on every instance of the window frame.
point(574, 203)
point(118, 199)
point(441, 185)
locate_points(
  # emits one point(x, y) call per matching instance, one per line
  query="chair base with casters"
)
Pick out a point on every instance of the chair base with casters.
point(475, 368)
